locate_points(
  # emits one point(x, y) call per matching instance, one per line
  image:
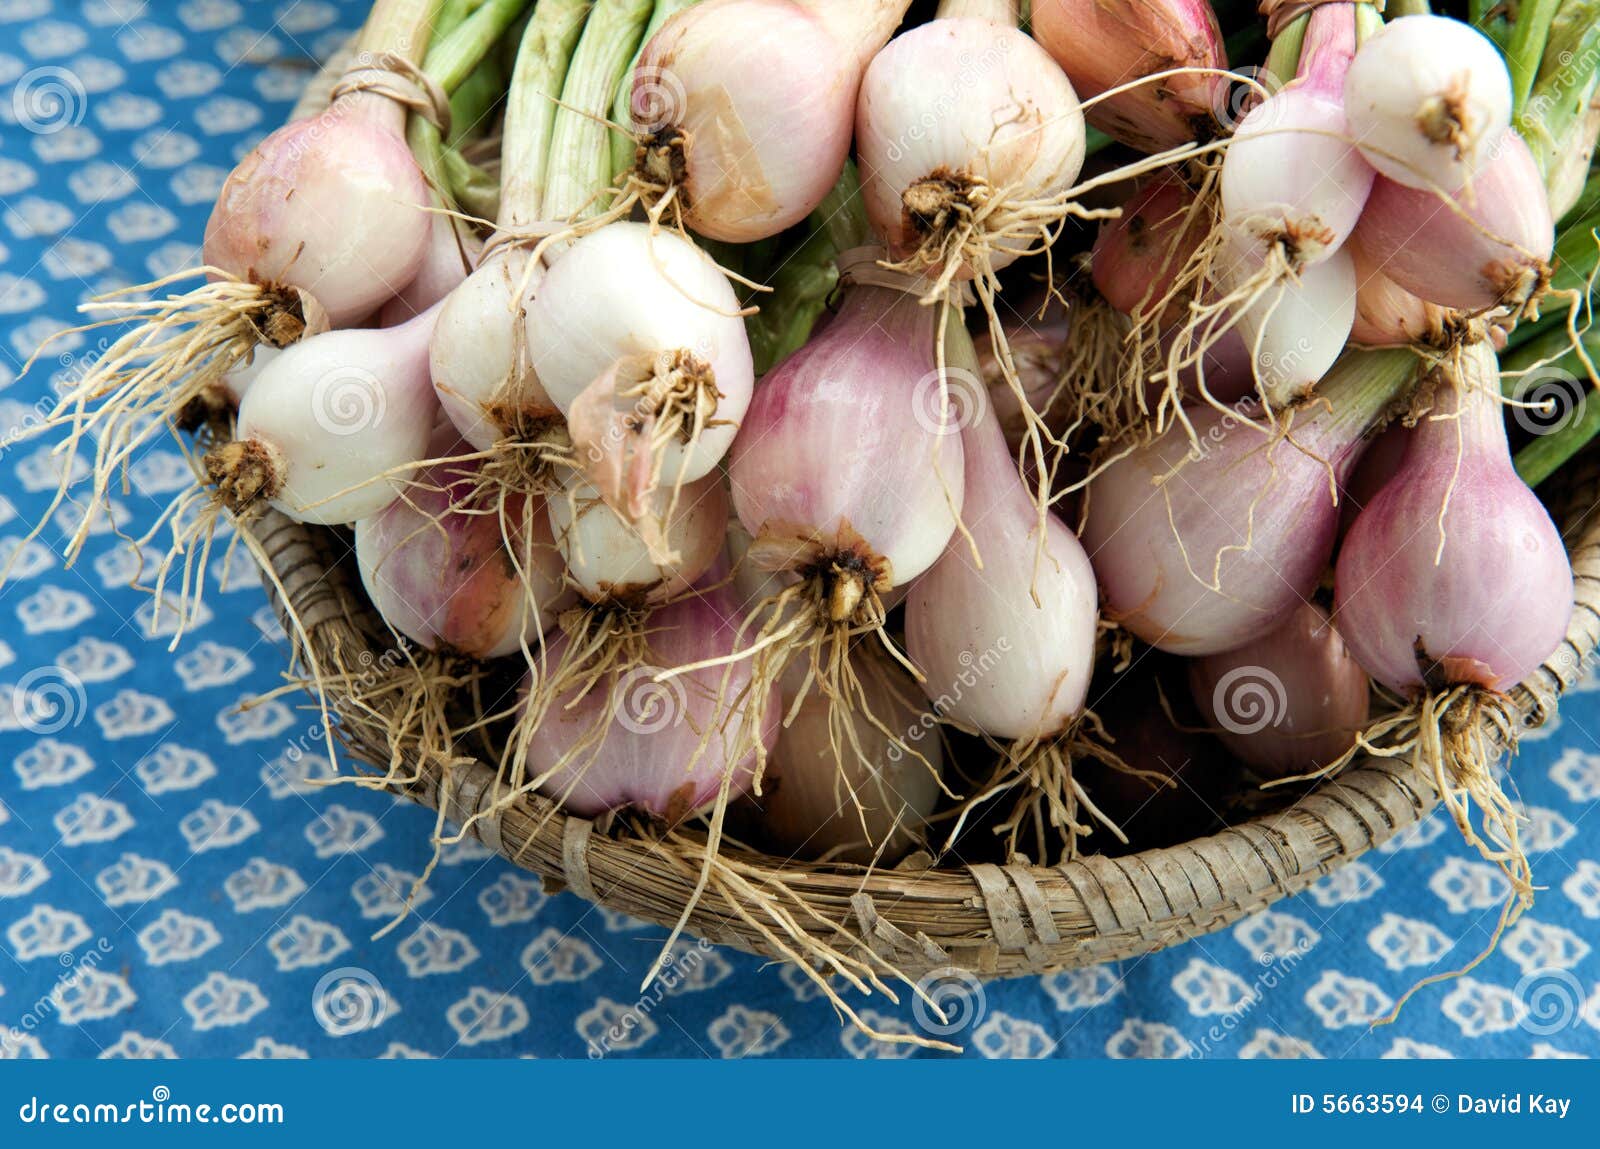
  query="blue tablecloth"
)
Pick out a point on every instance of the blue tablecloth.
point(172, 886)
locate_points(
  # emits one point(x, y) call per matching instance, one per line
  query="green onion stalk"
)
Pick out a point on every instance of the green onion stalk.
point(1549, 370)
point(1559, 117)
point(580, 148)
point(623, 145)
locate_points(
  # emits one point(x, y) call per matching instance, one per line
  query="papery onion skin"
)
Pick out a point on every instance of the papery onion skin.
point(650, 756)
point(1102, 44)
point(446, 578)
point(608, 559)
point(1157, 563)
point(327, 429)
point(750, 104)
point(926, 117)
point(1427, 96)
point(333, 205)
point(1289, 702)
point(843, 450)
point(1290, 179)
point(1497, 602)
point(622, 291)
point(1479, 250)
point(806, 802)
point(992, 656)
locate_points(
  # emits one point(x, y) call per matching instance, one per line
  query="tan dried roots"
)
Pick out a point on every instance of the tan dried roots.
point(163, 373)
point(1456, 738)
point(1051, 806)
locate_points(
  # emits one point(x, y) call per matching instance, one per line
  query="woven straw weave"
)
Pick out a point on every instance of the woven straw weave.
point(992, 920)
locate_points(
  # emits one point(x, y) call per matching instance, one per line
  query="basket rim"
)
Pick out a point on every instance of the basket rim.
point(989, 919)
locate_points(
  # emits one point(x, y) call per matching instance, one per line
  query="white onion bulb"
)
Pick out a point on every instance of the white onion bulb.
point(1427, 96)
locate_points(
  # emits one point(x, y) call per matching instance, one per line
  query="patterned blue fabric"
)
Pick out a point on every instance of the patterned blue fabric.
point(172, 886)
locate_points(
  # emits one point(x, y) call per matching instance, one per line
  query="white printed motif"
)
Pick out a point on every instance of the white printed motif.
point(485, 1015)
point(305, 942)
point(170, 767)
point(46, 932)
point(261, 884)
point(554, 956)
point(742, 1032)
point(90, 818)
point(384, 892)
point(1076, 989)
point(132, 880)
point(1147, 1040)
point(177, 937)
point(136, 1047)
point(175, 879)
point(214, 825)
point(434, 950)
point(1405, 942)
point(1340, 1001)
point(221, 1001)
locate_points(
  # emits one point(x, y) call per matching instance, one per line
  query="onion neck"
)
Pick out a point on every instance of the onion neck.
point(580, 144)
point(401, 28)
point(541, 69)
point(862, 25)
point(1328, 48)
point(1353, 395)
point(1467, 415)
point(893, 318)
point(994, 11)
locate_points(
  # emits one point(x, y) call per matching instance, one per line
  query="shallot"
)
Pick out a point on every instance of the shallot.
point(1202, 549)
point(1288, 703)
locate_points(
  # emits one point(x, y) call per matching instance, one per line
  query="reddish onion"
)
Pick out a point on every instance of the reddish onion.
point(1102, 44)
point(1486, 246)
point(1289, 702)
point(480, 583)
point(748, 104)
point(1454, 573)
point(865, 806)
point(665, 748)
point(1201, 549)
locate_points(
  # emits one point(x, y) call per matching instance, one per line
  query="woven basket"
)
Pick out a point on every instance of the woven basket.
point(991, 920)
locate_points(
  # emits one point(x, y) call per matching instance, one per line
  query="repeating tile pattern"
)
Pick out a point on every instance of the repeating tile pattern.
point(175, 883)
